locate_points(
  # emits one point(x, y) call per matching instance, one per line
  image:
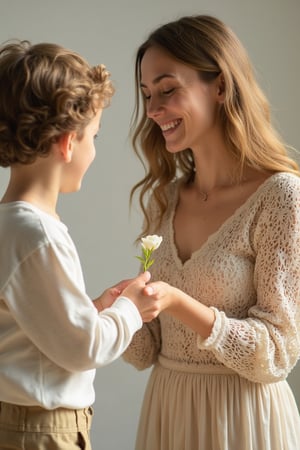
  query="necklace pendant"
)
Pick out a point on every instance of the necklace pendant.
point(205, 196)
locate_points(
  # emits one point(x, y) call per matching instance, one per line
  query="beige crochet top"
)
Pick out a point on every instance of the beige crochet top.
point(249, 273)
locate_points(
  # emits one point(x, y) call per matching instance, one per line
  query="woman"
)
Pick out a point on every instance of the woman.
point(225, 197)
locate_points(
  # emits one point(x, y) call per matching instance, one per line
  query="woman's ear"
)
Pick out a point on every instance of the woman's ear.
point(66, 146)
point(221, 88)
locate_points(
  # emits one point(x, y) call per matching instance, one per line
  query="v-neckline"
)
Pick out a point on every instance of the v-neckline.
point(213, 236)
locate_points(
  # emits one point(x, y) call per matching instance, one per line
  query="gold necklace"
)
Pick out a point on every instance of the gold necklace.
point(204, 195)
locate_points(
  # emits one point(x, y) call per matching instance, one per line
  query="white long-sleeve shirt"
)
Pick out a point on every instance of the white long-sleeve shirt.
point(51, 336)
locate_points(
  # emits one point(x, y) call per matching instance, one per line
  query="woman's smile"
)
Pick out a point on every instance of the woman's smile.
point(168, 127)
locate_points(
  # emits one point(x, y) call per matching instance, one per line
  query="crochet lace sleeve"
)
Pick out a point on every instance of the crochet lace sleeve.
point(145, 346)
point(265, 346)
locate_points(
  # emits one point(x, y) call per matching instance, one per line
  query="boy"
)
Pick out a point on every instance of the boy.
point(52, 337)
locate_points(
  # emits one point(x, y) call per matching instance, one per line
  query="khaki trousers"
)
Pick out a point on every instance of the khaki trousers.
point(35, 428)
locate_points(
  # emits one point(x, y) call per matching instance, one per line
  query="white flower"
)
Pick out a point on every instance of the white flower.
point(149, 244)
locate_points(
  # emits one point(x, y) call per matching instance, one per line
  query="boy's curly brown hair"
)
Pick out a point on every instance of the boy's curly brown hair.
point(45, 92)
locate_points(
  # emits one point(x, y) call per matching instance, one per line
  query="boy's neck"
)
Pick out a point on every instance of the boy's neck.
point(29, 186)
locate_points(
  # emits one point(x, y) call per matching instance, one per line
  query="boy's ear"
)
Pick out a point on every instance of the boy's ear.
point(66, 145)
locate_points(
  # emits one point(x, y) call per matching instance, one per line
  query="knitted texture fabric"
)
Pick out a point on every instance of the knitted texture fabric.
point(248, 272)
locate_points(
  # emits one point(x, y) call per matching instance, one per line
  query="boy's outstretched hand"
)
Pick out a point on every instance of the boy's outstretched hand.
point(108, 297)
point(135, 285)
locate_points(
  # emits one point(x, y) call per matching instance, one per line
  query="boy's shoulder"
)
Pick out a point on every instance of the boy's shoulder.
point(27, 226)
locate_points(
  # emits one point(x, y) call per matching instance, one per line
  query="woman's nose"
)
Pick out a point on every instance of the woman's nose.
point(154, 107)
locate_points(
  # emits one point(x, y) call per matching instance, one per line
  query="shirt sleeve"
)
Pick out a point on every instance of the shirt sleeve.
point(47, 298)
point(264, 347)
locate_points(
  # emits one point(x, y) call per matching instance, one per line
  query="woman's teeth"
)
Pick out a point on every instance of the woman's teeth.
point(170, 125)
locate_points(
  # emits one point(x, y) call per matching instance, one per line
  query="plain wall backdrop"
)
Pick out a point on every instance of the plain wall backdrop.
point(98, 216)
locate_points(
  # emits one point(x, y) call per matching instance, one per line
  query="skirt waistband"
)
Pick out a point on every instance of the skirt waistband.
point(193, 368)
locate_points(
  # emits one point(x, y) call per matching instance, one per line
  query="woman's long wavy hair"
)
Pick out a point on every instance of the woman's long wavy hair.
point(207, 45)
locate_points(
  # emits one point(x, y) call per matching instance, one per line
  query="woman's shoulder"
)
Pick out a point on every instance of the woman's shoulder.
point(285, 179)
point(278, 196)
point(283, 185)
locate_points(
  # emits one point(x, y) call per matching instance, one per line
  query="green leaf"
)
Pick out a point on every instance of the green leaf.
point(149, 264)
point(140, 259)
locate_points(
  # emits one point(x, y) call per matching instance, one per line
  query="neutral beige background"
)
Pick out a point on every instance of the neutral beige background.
point(98, 216)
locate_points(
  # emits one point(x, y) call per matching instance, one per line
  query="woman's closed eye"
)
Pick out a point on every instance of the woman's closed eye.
point(163, 93)
point(168, 91)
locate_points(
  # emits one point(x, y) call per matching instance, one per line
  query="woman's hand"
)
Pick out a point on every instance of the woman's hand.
point(181, 306)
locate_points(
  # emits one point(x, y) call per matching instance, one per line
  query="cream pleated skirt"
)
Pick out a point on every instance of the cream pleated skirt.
point(185, 410)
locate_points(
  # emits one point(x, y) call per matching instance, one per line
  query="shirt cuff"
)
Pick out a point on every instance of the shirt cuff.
point(127, 308)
